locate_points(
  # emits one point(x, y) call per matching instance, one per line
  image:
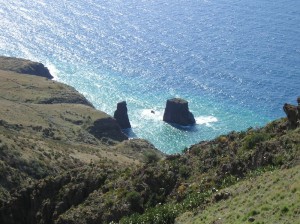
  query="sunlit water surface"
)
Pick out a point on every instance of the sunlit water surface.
point(235, 61)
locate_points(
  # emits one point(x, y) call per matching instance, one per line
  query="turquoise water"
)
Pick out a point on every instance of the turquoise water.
point(236, 62)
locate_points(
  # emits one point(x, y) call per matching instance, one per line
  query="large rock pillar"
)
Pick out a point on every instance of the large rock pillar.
point(177, 111)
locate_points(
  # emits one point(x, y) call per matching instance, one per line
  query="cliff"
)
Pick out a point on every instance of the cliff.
point(47, 128)
point(24, 66)
point(66, 162)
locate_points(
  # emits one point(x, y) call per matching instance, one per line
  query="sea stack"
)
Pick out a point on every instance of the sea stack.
point(121, 115)
point(177, 111)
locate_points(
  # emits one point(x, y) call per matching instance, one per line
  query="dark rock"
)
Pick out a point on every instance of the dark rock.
point(24, 66)
point(298, 108)
point(107, 128)
point(251, 219)
point(121, 115)
point(292, 114)
point(177, 111)
point(222, 196)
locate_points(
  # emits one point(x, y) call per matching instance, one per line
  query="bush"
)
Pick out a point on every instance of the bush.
point(184, 171)
point(151, 157)
point(135, 200)
point(285, 209)
point(251, 140)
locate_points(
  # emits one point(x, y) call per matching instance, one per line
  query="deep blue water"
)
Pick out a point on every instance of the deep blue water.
point(236, 61)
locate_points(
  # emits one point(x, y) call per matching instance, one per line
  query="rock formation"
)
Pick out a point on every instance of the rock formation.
point(177, 111)
point(293, 113)
point(121, 115)
point(298, 100)
point(107, 128)
point(24, 66)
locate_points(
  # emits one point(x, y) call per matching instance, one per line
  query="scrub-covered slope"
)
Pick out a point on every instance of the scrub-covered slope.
point(47, 128)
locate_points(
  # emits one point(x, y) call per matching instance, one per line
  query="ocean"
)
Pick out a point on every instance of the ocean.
point(235, 61)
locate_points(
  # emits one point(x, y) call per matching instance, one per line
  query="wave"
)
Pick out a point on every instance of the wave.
point(206, 120)
point(53, 70)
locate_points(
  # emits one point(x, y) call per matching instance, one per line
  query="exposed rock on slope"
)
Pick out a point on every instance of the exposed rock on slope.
point(293, 113)
point(177, 111)
point(24, 66)
point(107, 128)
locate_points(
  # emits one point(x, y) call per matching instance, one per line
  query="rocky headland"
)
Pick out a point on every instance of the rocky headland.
point(24, 66)
point(64, 162)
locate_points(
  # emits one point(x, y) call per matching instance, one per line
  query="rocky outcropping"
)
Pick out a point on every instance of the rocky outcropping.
point(107, 128)
point(121, 115)
point(298, 100)
point(293, 113)
point(177, 111)
point(24, 66)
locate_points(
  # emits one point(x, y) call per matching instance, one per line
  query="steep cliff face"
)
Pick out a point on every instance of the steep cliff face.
point(24, 66)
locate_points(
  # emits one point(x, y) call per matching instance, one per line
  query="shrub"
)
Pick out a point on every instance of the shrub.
point(254, 212)
point(222, 139)
point(251, 140)
point(184, 171)
point(151, 157)
point(135, 200)
point(285, 209)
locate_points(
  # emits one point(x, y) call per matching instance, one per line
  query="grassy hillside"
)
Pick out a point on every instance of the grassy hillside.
point(47, 128)
point(272, 197)
point(64, 162)
point(210, 166)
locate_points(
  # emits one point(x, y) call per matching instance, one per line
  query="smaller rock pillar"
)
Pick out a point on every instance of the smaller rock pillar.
point(121, 115)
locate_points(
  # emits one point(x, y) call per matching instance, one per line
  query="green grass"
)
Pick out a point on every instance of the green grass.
point(273, 197)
